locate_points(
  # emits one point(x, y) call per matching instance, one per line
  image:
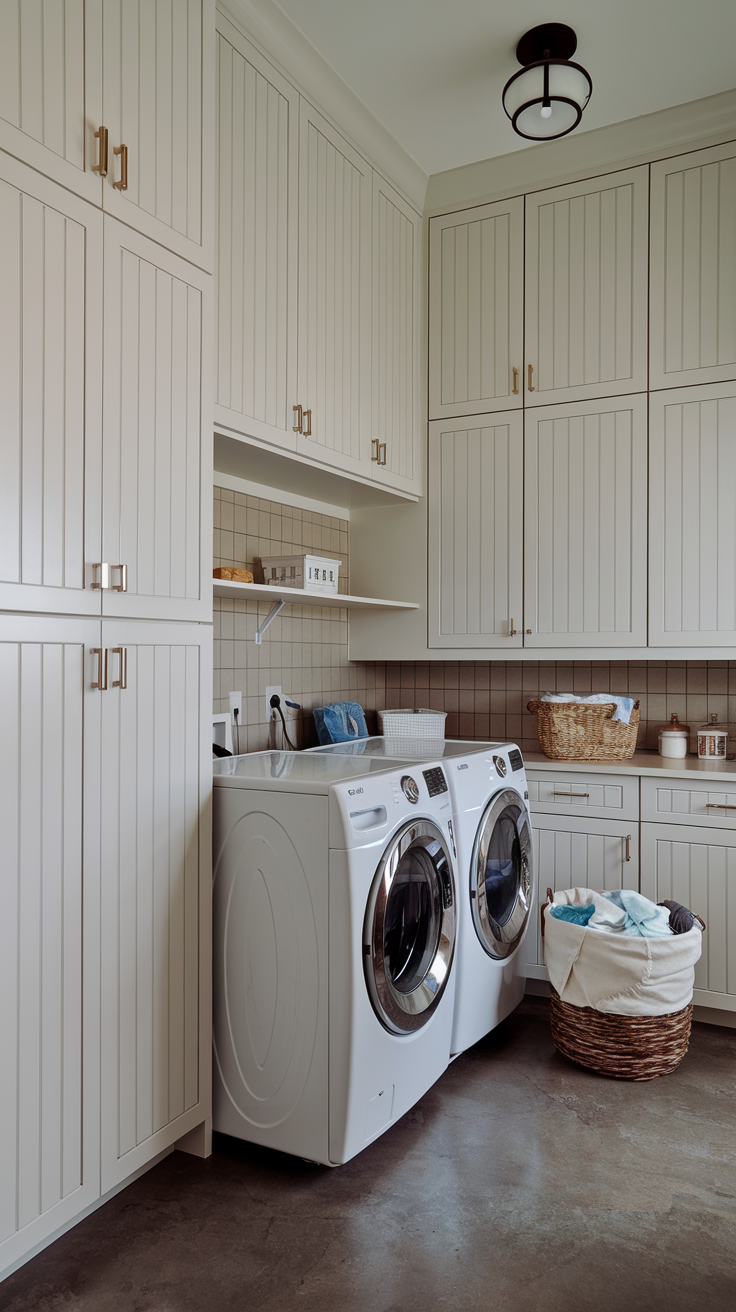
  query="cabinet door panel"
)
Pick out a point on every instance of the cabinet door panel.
point(49, 724)
point(155, 929)
point(475, 534)
point(334, 347)
point(476, 292)
point(154, 429)
point(586, 288)
point(50, 394)
point(396, 281)
point(693, 274)
point(256, 243)
point(157, 59)
point(50, 54)
point(692, 516)
point(578, 854)
point(586, 525)
point(698, 868)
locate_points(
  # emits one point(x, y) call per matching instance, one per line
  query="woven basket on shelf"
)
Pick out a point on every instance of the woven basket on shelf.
point(574, 731)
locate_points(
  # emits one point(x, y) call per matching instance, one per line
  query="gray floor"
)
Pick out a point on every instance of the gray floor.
point(519, 1182)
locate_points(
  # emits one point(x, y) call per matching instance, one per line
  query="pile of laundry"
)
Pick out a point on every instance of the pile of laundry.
point(623, 912)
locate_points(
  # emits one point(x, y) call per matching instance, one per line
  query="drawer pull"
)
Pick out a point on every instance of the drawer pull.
point(720, 806)
point(627, 841)
point(557, 792)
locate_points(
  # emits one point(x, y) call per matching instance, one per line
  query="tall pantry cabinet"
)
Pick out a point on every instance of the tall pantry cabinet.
point(105, 597)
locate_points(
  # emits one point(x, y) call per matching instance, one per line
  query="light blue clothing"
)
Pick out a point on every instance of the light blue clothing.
point(575, 915)
point(643, 918)
point(340, 722)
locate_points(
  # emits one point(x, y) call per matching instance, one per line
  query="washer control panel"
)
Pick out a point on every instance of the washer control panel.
point(435, 781)
point(515, 760)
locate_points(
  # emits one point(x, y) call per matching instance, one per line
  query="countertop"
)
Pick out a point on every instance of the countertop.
point(641, 763)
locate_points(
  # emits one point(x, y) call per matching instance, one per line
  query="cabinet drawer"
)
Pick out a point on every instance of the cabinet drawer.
point(707, 802)
point(605, 796)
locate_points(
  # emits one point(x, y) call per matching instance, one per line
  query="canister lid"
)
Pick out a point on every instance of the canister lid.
point(674, 727)
point(714, 727)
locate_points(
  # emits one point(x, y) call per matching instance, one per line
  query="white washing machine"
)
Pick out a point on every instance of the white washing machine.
point(334, 944)
point(492, 832)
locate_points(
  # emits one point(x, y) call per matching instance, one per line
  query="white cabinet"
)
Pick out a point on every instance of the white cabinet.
point(585, 525)
point(49, 907)
point(156, 447)
point(693, 269)
point(476, 326)
point(155, 920)
point(257, 199)
point(692, 516)
point(50, 394)
point(586, 260)
point(475, 532)
point(578, 853)
point(697, 867)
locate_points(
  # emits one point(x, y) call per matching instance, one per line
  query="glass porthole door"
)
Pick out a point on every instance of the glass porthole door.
point(409, 932)
point(501, 875)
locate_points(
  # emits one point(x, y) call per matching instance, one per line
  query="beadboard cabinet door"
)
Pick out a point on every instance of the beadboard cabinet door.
point(156, 890)
point(51, 89)
point(257, 213)
point(586, 263)
point(692, 516)
point(476, 310)
point(157, 85)
point(334, 333)
point(585, 525)
point(50, 394)
point(156, 430)
point(697, 867)
point(475, 508)
point(49, 913)
point(577, 853)
point(693, 273)
point(396, 339)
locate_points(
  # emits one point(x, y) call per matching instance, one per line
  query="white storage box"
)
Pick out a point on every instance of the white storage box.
point(419, 727)
point(312, 573)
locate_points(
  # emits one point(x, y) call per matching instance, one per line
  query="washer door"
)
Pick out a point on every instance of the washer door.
point(501, 874)
point(409, 931)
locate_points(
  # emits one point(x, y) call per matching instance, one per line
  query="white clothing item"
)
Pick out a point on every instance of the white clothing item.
point(615, 973)
point(624, 705)
point(606, 917)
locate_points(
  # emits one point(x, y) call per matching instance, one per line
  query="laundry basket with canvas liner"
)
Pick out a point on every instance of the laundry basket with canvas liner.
point(620, 1005)
point(574, 731)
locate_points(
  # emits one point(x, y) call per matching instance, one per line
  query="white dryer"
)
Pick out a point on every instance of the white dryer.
point(334, 943)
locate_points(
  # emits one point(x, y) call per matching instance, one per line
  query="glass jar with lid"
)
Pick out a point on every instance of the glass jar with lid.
point(674, 738)
point(712, 740)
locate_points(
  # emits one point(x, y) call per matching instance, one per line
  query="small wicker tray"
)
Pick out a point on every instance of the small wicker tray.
point(574, 731)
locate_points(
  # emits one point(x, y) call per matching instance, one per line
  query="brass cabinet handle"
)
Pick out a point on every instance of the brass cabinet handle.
point(558, 792)
point(530, 376)
point(101, 680)
point(627, 841)
point(101, 165)
point(122, 681)
point(122, 586)
point(122, 185)
point(381, 453)
point(298, 419)
point(720, 806)
point(515, 388)
point(375, 450)
point(307, 422)
point(512, 631)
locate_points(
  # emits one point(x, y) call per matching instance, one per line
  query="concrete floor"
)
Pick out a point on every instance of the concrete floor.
point(518, 1184)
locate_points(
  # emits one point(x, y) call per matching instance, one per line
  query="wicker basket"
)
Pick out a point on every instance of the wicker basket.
point(574, 731)
point(622, 1047)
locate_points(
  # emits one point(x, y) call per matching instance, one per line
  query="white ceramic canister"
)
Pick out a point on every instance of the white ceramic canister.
point(712, 740)
point(674, 738)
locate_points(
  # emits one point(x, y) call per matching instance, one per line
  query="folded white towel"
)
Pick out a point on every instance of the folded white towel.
point(624, 705)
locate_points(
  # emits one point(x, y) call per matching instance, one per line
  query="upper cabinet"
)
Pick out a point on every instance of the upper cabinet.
point(476, 326)
point(693, 280)
point(586, 289)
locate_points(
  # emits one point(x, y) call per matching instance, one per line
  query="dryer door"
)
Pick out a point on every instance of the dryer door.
point(409, 931)
point(501, 874)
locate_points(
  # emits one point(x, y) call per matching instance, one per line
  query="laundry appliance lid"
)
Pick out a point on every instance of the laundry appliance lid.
point(299, 772)
point(406, 749)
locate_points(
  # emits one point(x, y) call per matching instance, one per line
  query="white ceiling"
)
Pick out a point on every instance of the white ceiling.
point(433, 70)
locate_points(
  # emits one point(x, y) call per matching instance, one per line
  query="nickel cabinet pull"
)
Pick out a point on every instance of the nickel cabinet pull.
point(101, 165)
point(122, 586)
point(515, 388)
point(298, 419)
point(122, 185)
point(101, 680)
point(530, 375)
point(122, 681)
point(101, 575)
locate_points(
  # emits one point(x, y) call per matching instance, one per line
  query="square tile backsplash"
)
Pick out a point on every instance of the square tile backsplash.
point(306, 652)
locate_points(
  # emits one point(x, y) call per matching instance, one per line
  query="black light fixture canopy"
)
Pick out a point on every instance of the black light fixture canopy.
point(546, 98)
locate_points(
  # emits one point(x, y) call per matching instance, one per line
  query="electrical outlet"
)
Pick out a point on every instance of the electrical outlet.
point(272, 692)
point(236, 704)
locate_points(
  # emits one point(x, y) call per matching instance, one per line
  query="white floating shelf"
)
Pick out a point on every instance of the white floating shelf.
point(301, 597)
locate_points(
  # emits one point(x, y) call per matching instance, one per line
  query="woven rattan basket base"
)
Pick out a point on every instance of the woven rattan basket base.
point(623, 1047)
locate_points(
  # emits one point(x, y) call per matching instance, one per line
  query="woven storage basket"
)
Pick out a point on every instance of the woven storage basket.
point(622, 1047)
point(573, 731)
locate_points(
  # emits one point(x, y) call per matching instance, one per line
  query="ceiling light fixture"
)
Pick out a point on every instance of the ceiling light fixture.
point(547, 97)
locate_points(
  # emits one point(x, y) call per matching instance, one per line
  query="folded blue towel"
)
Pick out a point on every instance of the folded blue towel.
point(575, 915)
point(340, 722)
point(643, 917)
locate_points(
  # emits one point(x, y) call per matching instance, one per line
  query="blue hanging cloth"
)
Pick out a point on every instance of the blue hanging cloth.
point(340, 722)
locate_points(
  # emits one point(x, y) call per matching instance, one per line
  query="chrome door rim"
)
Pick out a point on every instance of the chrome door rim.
point(404, 1013)
point(500, 941)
